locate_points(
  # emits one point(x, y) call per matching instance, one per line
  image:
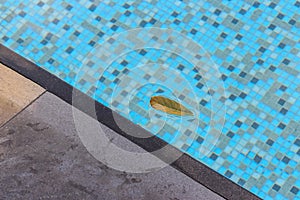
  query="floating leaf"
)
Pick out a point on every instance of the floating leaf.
point(169, 106)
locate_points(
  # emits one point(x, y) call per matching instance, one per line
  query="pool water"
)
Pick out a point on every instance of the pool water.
point(233, 63)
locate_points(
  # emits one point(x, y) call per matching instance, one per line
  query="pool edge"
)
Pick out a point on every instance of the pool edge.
point(185, 164)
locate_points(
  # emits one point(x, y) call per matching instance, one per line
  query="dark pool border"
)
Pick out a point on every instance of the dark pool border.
point(186, 164)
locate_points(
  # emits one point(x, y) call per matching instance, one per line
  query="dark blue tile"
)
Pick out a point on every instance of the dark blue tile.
point(281, 102)
point(260, 62)
point(228, 173)
point(199, 85)
point(143, 23)
point(238, 123)
point(100, 33)
point(281, 126)
point(262, 49)
point(188, 132)
point(276, 187)
point(125, 71)
point(160, 91)
point(297, 142)
point(92, 43)
point(92, 7)
point(44, 42)
point(181, 97)
point(283, 111)
point(76, 33)
point(234, 21)
point(230, 134)
point(272, 26)
point(102, 79)
point(185, 147)
point(257, 158)
point(254, 80)
point(213, 157)
point(256, 4)
point(243, 95)
point(66, 27)
point(116, 73)
point(292, 22)
point(22, 14)
point(272, 68)
point(231, 68)
point(216, 24)
point(200, 140)
point(272, 5)
point(114, 27)
point(180, 67)
point(127, 13)
point(152, 21)
point(82, 82)
point(204, 18)
point(51, 60)
point(280, 16)
point(286, 61)
point(41, 4)
point(117, 81)
point(98, 18)
point(223, 35)
point(270, 142)
point(69, 7)
point(124, 63)
point(232, 97)
point(281, 45)
point(238, 37)
point(241, 182)
point(197, 77)
point(223, 77)
point(176, 21)
point(243, 74)
point(286, 160)
point(174, 14)
point(5, 38)
point(193, 31)
point(217, 12)
point(20, 40)
point(255, 125)
point(55, 21)
point(203, 102)
point(69, 50)
point(242, 11)
point(283, 88)
point(294, 190)
point(126, 5)
point(143, 52)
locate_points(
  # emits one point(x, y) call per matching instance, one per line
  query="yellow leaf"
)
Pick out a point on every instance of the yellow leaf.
point(169, 106)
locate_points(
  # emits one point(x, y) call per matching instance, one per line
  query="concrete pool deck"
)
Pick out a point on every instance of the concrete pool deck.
point(41, 156)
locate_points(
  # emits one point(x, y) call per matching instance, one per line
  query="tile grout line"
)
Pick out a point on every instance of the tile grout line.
point(25, 107)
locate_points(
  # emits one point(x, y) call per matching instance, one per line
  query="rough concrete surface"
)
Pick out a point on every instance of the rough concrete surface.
point(41, 157)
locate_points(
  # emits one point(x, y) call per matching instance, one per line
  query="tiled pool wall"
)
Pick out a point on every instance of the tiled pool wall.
point(254, 44)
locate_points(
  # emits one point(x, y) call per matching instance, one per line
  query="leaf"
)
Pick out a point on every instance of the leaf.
point(169, 106)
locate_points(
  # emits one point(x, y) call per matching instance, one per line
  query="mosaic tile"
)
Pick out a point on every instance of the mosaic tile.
point(255, 45)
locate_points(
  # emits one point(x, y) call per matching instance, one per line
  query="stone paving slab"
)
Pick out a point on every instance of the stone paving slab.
point(16, 92)
point(41, 157)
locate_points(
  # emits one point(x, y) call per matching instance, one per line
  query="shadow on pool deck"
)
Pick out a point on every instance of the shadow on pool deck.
point(41, 157)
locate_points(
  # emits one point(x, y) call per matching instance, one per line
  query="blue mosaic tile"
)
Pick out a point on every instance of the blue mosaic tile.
point(255, 45)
